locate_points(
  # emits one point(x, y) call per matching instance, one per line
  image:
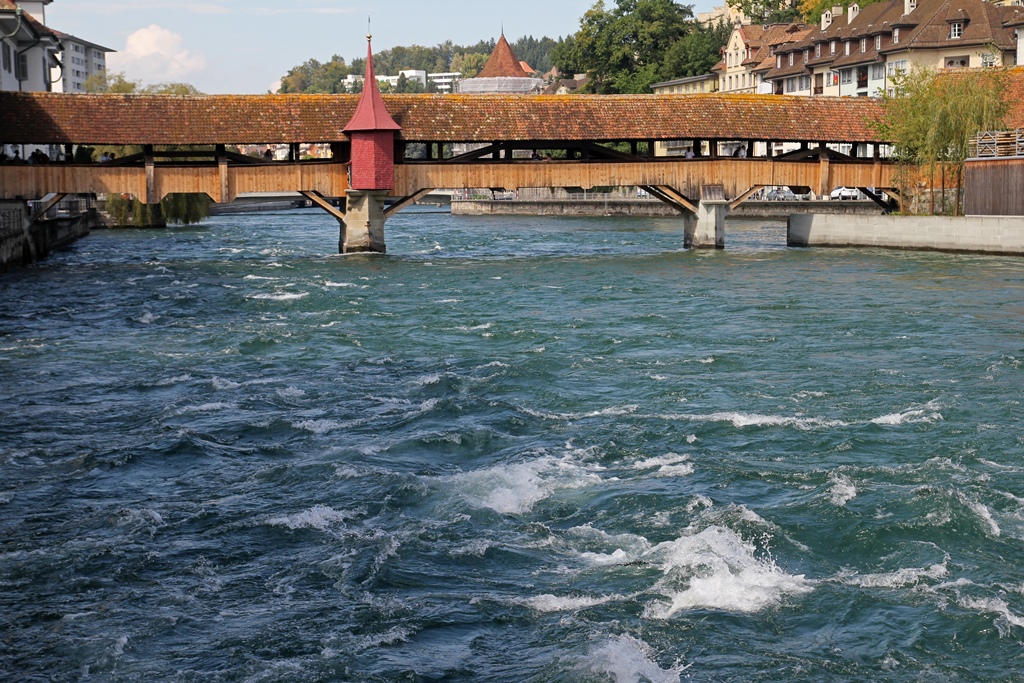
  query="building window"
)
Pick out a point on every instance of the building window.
point(791, 59)
point(21, 67)
point(846, 76)
point(807, 53)
point(895, 36)
point(832, 47)
point(791, 84)
point(988, 59)
point(877, 72)
point(817, 50)
point(805, 83)
point(878, 42)
point(863, 44)
point(846, 47)
point(897, 67)
point(956, 29)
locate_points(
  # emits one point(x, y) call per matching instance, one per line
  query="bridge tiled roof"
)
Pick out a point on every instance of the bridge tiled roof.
point(230, 119)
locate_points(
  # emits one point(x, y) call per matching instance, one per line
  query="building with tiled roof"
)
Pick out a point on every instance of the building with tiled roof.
point(857, 52)
point(27, 49)
point(503, 73)
point(749, 47)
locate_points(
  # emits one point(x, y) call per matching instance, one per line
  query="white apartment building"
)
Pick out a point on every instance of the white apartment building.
point(79, 60)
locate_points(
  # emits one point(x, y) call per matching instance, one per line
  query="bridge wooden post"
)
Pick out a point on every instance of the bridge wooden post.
point(825, 176)
point(222, 172)
point(151, 197)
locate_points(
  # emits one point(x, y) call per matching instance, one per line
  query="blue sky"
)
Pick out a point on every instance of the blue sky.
point(245, 46)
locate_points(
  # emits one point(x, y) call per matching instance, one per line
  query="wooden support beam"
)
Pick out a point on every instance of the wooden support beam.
point(46, 206)
point(321, 201)
point(407, 201)
point(743, 197)
point(671, 197)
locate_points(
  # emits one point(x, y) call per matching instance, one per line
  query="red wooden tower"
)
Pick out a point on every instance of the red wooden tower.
point(372, 131)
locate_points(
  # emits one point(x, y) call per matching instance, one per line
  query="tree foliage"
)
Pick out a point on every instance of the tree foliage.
point(636, 43)
point(930, 117)
point(770, 11)
point(313, 76)
point(117, 82)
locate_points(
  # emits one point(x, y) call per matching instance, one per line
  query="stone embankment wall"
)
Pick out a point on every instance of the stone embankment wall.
point(984, 234)
point(646, 207)
point(20, 246)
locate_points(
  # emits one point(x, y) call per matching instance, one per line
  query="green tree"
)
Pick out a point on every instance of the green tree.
point(627, 48)
point(468, 64)
point(930, 118)
point(696, 52)
point(769, 11)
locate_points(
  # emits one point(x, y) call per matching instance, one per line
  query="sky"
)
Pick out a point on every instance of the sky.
point(246, 46)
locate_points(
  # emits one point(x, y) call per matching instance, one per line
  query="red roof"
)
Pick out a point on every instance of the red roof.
point(502, 63)
point(371, 114)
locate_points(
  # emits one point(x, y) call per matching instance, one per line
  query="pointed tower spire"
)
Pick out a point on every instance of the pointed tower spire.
point(370, 113)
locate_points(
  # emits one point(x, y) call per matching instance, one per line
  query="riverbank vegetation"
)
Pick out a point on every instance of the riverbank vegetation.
point(931, 117)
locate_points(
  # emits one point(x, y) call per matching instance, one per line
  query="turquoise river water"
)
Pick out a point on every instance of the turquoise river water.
point(509, 450)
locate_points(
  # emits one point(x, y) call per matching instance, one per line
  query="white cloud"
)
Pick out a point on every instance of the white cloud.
point(156, 55)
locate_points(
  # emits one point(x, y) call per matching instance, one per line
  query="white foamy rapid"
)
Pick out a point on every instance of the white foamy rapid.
point(717, 569)
point(320, 517)
point(515, 488)
point(926, 413)
point(842, 490)
point(668, 465)
point(626, 659)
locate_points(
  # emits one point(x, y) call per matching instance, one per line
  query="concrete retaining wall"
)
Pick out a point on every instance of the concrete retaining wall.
point(18, 248)
point(984, 234)
point(646, 207)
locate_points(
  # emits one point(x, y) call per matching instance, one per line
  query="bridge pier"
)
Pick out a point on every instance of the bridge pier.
point(705, 229)
point(362, 230)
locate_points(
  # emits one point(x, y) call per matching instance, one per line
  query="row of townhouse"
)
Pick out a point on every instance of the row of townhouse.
point(857, 52)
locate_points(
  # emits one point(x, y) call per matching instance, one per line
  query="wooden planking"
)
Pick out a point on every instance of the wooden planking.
point(33, 182)
point(994, 187)
point(331, 180)
point(736, 176)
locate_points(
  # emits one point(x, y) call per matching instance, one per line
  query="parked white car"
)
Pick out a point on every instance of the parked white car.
point(845, 193)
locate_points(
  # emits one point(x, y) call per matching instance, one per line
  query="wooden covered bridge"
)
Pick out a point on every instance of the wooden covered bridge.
point(598, 141)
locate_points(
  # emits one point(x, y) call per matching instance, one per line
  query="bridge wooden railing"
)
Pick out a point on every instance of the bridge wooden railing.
point(221, 182)
point(736, 176)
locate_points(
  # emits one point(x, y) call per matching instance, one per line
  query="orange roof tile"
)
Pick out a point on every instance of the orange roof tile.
point(502, 63)
point(234, 119)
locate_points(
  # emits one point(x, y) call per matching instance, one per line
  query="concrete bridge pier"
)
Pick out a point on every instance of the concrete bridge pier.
point(705, 229)
point(362, 229)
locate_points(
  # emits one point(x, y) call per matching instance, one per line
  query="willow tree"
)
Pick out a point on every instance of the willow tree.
point(930, 118)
